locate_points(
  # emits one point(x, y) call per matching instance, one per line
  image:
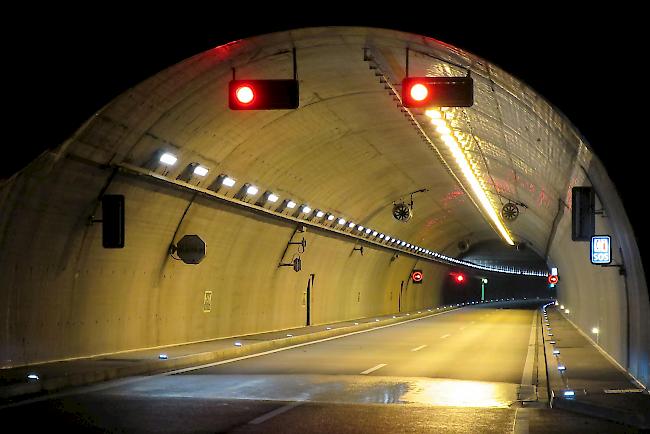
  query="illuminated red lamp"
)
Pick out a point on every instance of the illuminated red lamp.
point(417, 276)
point(553, 279)
point(423, 92)
point(263, 94)
point(460, 278)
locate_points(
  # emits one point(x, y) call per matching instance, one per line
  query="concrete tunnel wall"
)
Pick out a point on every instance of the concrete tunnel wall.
point(64, 296)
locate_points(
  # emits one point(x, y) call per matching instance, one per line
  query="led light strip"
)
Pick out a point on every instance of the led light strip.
point(323, 219)
point(445, 135)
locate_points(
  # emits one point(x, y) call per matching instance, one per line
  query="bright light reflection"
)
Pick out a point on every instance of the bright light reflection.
point(459, 393)
point(169, 159)
point(273, 198)
point(200, 171)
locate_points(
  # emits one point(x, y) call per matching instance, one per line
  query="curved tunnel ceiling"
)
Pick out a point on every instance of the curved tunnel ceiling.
point(349, 149)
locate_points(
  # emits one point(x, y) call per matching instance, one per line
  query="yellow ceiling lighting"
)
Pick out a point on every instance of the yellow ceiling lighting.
point(477, 186)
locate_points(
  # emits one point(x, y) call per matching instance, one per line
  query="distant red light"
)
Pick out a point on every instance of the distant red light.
point(245, 94)
point(460, 278)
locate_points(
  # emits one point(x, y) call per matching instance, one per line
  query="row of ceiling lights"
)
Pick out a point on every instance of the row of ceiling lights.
point(248, 190)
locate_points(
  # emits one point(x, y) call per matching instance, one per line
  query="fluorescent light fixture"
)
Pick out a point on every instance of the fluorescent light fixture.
point(238, 344)
point(320, 214)
point(562, 307)
point(595, 330)
point(33, 376)
point(252, 190)
point(341, 221)
point(328, 328)
point(168, 159)
point(330, 217)
point(468, 173)
point(162, 356)
point(291, 204)
point(381, 236)
point(556, 352)
point(289, 335)
point(228, 182)
point(200, 171)
point(306, 209)
point(360, 228)
point(272, 198)
point(552, 342)
point(356, 323)
point(567, 311)
point(561, 368)
point(374, 233)
point(368, 230)
point(569, 393)
point(403, 243)
point(351, 225)
point(376, 320)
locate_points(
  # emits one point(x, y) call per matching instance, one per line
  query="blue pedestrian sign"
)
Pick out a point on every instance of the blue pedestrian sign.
point(601, 249)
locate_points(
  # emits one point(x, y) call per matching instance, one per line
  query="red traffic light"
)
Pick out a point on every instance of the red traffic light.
point(460, 278)
point(417, 276)
point(423, 92)
point(263, 94)
point(553, 279)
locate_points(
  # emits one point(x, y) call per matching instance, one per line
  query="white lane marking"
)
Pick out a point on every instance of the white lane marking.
point(277, 411)
point(527, 375)
point(521, 423)
point(444, 336)
point(373, 369)
point(419, 348)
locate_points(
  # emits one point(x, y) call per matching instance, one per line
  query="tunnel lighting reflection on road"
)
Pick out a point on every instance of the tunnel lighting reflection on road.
point(33, 377)
point(200, 171)
point(168, 159)
point(163, 356)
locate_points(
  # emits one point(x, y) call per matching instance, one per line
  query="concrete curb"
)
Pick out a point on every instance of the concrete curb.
point(635, 419)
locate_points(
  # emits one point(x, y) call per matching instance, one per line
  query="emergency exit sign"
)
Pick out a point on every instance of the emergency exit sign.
point(601, 249)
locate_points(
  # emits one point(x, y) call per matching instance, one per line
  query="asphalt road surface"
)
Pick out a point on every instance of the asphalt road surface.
point(462, 371)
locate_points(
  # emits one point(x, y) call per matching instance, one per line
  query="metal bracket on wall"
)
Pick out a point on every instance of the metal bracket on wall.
point(302, 246)
point(621, 268)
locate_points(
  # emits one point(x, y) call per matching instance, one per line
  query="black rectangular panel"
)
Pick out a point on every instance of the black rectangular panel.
point(113, 221)
point(583, 216)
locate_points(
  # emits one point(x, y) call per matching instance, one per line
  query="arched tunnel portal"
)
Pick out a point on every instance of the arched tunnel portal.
point(350, 150)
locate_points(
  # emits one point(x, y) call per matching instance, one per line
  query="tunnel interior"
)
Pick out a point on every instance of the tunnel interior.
point(351, 151)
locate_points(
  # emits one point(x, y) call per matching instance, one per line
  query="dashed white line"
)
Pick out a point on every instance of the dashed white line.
point(444, 336)
point(419, 348)
point(274, 413)
point(373, 369)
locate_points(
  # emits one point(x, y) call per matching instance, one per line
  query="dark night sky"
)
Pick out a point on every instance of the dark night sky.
point(60, 67)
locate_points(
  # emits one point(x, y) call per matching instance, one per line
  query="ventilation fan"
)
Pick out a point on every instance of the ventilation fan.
point(510, 211)
point(402, 212)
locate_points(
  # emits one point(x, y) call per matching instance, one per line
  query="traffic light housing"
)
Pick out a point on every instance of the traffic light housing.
point(263, 94)
point(417, 276)
point(424, 92)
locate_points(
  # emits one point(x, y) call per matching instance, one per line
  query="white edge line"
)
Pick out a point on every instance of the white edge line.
point(419, 348)
point(527, 374)
point(445, 336)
